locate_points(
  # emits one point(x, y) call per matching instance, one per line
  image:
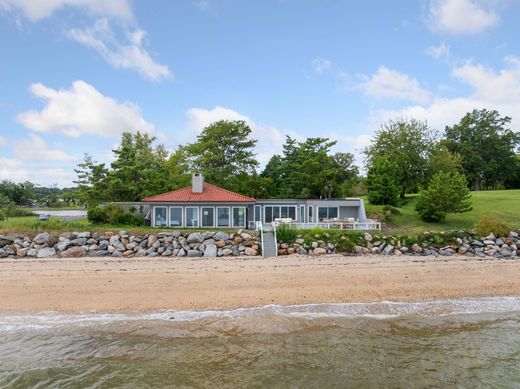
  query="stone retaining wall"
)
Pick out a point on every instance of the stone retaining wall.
point(469, 245)
point(123, 244)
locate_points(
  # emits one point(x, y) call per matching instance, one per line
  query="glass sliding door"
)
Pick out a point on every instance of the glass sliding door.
point(268, 213)
point(192, 216)
point(239, 217)
point(223, 217)
point(159, 217)
point(311, 216)
point(292, 213)
point(258, 213)
point(327, 213)
point(208, 217)
point(302, 213)
point(175, 216)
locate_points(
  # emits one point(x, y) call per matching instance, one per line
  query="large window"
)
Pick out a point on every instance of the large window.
point(159, 217)
point(223, 216)
point(258, 213)
point(208, 217)
point(268, 212)
point(273, 212)
point(239, 217)
point(311, 216)
point(327, 213)
point(302, 213)
point(192, 216)
point(175, 216)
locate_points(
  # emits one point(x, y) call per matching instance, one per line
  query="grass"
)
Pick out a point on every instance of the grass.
point(31, 224)
point(503, 205)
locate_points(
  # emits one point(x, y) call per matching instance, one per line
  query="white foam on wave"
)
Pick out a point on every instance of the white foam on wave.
point(376, 310)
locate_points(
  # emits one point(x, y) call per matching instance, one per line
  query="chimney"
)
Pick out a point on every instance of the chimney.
point(197, 183)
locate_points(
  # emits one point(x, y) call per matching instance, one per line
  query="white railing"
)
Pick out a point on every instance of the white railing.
point(275, 238)
point(370, 225)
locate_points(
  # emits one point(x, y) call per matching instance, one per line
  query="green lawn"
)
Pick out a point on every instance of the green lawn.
point(503, 205)
point(32, 224)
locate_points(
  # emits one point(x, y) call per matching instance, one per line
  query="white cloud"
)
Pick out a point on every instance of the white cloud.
point(499, 90)
point(392, 84)
point(270, 140)
point(36, 10)
point(46, 175)
point(462, 17)
point(35, 148)
point(82, 109)
point(441, 52)
point(129, 54)
point(3, 142)
point(496, 87)
point(321, 65)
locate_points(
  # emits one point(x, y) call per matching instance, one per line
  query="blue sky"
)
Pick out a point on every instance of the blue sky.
point(74, 74)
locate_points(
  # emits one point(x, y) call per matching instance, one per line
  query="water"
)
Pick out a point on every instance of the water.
point(70, 214)
point(453, 343)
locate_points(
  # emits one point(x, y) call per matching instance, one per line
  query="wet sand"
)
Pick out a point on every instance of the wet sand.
point(137, 285)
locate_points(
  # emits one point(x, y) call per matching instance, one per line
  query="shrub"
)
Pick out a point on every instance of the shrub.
point(487, 225)
point(17, 212)
point(286, 233)
point(447, 193)
point(112, 214)
point(381, 183)
point(2, 215)
point(97, 215)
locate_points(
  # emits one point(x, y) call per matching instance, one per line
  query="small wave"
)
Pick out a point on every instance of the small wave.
point(376, 310)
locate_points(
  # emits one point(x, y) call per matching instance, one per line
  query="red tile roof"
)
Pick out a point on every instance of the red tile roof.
point(210, 194)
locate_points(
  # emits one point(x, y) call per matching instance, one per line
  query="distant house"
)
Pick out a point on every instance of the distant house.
point(206, 205)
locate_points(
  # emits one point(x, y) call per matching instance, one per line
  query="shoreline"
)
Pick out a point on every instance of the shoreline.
point(107, 285)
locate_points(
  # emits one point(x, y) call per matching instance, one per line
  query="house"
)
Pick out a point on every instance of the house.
point(205, 205)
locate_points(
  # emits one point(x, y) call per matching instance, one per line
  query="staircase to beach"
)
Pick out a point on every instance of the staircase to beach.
point(269, 244)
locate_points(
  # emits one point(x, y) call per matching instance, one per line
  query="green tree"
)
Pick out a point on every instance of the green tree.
point(486, 146)
point(442, 160)
point(139, 169)
point(91, 181)
point(308, 169)
point(381, 183)
point(6, 206)
point(18, 193)
point(406, 144)
point(223, 150)
point(447, 192)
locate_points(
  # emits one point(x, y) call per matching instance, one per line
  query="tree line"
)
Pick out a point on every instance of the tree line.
point(405, 156)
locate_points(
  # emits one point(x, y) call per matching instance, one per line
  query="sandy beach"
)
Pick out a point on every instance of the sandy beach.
point(118, 285)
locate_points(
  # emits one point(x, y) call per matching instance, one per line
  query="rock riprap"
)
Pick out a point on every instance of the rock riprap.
point(469, 245)
point(123, 244)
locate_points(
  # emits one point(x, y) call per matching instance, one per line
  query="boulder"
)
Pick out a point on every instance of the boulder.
point(388, 249)
point(85, 234)
point(74, 252)
point(22, 252)
point(181, 253)
point(250, 252)
point(211, 250)
point(46, 252)
point(195, 237)
point(227, 252)
point(151, 240)
point(194, 253)
point(368, 237)
point(416, 248)
point(41, 238)
point(63, 245)
point(32, 253)
point(319, 251)
point(246, 236)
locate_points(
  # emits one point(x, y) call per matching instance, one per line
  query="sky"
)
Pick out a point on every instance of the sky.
point(74, 74)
